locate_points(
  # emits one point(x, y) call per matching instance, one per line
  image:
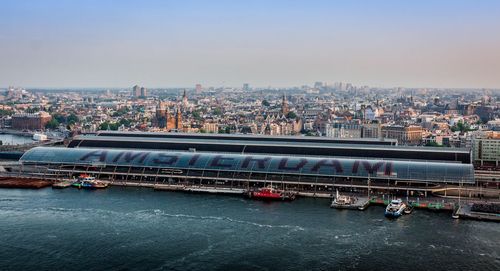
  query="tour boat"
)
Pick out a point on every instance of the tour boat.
point(88, 182)
point(395, 208)
point(271, 193)
point(342, 201)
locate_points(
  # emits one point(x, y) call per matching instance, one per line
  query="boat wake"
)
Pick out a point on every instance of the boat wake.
point(223, 218)
point(156, 212)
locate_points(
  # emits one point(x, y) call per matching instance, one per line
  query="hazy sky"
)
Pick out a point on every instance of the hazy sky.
point(265, 43)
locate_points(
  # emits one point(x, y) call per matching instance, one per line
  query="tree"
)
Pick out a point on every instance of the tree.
point(108, 125)
point(72, 119)
point(291, 115)
point(60, 118)
point(265, 103)
point(6, 112)
point(461, 127)
point(52, 124)
point(217, 111)
point(125, 122)
point(120, 112)
point(433, 144)
point(310, 133)
point(196, 114)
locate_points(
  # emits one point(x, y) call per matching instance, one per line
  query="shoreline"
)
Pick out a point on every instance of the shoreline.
point(433, 204)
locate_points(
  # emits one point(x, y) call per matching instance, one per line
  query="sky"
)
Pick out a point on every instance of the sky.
point(103, 43)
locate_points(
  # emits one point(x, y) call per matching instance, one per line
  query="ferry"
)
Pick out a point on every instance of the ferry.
point(271, 193)
point(395, 208)
point(88, 182)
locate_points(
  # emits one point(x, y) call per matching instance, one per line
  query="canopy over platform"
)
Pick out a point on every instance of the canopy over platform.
point(435, 172)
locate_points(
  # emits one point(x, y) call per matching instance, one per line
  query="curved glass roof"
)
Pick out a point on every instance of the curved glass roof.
point(317, 166)
point(275, 148)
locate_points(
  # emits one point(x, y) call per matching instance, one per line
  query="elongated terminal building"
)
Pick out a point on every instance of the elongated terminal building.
point(299, 164)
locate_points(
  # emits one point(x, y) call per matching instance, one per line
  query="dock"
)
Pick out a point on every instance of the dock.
point(29, 183)
point(421, 204)
point(360, 203)
point(466, 211)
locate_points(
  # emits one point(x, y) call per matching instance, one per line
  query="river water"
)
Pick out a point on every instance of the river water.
point(9, 139)
point(140, 229)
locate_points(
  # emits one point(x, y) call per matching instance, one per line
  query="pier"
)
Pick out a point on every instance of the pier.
point(466, 211)
point(31, 183)
point(360, 203)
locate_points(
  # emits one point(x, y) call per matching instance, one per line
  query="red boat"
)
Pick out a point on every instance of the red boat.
point(271, 193)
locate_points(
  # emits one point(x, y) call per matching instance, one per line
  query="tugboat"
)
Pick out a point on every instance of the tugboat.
point(88, 182)
point(271, 193)
point(395, 208)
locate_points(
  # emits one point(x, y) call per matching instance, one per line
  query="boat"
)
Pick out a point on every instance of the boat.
point(395, 208)
point(88, 182)
point(408, 210)
point(62, 184)
point(271, 193)
point(343, 201)
point(39, 137)
point(214, 190)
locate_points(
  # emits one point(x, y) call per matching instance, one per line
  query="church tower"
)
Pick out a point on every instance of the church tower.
point(184, 99)
point(160, 119)
point(178, 119)
point(284, 106)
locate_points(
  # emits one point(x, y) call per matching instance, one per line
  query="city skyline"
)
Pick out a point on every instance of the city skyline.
point(222, 135)
point(449, 44)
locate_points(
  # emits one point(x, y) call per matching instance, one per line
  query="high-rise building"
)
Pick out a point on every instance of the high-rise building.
point(246, 87)
point(136, 91)
point(143, 92)
point(198, 88)
point(486, 149)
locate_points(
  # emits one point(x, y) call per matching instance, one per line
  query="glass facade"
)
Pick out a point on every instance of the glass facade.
point(231, 165)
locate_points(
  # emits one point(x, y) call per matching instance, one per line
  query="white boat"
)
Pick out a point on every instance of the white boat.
point(342, 201)
point(395, 208)
point(216, 190)
point(39, 137)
